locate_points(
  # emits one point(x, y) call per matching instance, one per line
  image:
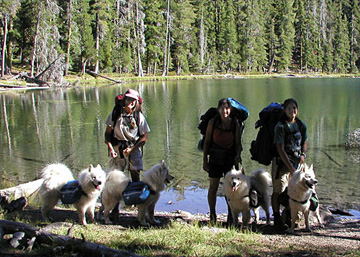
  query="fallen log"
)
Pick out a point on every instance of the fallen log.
point(94, 74)
point(79, 245)
point(26, 189)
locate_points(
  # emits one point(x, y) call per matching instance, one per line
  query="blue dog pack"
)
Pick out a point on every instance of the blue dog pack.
point(136, 193)
point(71, 192)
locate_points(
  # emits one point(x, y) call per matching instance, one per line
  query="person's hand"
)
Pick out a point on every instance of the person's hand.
point(113, 153)
point(302, 159)
point(205, 166)
point(127, 151)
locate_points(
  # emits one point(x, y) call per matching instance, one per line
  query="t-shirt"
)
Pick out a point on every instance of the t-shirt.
point(293, 128)
point(126, 127)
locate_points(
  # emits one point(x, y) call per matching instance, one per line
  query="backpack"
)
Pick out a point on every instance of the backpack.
point(117, 112)
point(71, 192)
point(136, 193)
point(240, 112)
point(263, 149)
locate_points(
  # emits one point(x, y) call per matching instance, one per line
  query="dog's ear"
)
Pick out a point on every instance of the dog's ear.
point(98, 166)
point(242, 170)
point(162, 163)
point(312, 167)
point(90, 167)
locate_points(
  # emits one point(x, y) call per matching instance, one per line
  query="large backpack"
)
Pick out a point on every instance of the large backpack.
point(240, 112)
point(263, 149)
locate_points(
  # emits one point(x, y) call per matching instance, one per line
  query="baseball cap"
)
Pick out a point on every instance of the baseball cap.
point(132, 94)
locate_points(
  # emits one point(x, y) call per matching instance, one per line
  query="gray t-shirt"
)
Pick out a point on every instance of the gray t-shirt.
point(293, 144)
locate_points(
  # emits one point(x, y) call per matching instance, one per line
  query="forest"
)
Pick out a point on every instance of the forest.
point(153, 37)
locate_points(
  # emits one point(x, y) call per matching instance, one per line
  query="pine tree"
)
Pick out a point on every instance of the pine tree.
point(155, 23)
point(182, 34)
point(285, 31)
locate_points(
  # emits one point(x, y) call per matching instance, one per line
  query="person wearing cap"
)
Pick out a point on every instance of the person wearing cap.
point(126, 132)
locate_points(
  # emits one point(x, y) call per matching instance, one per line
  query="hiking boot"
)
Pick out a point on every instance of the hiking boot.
point(278, 223)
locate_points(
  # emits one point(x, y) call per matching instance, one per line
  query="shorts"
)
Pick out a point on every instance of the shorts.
point(135, 159)
point(280, 176)
point(218, 171)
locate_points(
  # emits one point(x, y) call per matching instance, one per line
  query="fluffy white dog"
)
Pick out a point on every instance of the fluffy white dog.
point(300, 189)
point(237, 190)
point(56, 175)
point(116, 182)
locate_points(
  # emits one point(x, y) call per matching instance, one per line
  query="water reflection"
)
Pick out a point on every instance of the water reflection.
point(67, 125)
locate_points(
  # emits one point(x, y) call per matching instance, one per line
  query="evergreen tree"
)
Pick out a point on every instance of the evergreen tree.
point(285, 31)
point(84, 53)
point(341, 42)
point(182, 34)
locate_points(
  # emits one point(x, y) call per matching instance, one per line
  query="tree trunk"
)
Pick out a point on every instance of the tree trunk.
point(97, 43)
point(67, 56)
point(165, 65)
point(81, 246)
point(33, 56)
point(3, 63)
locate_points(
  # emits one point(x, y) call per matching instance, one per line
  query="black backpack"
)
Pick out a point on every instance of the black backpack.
point(240, 112)
point(263, 149)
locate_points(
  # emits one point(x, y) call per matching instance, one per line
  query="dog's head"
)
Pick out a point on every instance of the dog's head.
point(236, 179)
point(308, 176)
point(97, 176)
point(157, 176)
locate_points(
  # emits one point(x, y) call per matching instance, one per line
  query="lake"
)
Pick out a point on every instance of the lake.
point(67, 125)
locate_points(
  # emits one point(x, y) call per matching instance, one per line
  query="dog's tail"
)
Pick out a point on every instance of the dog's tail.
point(260, 180)
point(56, 175)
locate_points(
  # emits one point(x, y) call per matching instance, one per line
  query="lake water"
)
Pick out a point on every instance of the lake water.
point(67, 125)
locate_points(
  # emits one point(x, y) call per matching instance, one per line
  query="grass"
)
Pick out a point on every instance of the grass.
point(177, 239)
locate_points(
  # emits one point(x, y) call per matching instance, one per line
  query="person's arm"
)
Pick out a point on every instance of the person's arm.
point(139, 143)
point(108, 135)
point(303, 152)
point(281, 150)
point(207, 142)
point(238, 145)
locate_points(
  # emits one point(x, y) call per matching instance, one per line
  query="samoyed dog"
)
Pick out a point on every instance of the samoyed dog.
point(300, 189)
point(116, 182)
point(238, 190)
point(56, 175)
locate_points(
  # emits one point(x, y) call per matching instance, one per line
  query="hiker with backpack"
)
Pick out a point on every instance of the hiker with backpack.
point(290, 139)
point(222, 149)
point(126, 132)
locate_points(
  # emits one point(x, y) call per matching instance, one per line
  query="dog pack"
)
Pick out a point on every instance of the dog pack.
point(136, 193)
point(263, 149)
point(71, 192)
point(239, 111)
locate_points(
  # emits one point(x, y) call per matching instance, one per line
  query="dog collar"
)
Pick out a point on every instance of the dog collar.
point(302, 202)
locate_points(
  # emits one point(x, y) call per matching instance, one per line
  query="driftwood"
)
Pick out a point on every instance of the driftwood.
point(26, 189)
point(94, 74)
point(41, 237)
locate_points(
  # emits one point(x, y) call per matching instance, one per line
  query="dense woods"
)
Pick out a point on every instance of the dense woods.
point(156, 37)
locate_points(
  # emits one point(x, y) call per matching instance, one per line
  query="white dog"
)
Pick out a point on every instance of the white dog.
point(300, 189)
point(116, 182)
point(56, 175)
point(237, 192)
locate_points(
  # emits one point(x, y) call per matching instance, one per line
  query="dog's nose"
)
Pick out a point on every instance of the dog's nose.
point(100, 182)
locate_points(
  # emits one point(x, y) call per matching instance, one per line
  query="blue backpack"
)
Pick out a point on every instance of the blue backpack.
point(71, 192)
point(136, 193)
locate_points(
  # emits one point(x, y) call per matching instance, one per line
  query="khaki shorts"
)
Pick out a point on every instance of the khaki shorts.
point(280, 176)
